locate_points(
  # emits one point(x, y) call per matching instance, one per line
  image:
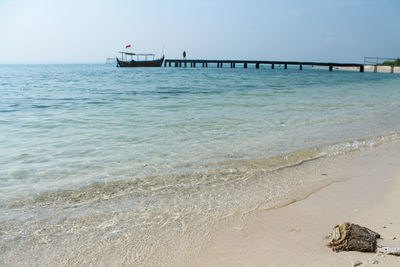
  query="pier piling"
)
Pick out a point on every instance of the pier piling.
point(245, 65)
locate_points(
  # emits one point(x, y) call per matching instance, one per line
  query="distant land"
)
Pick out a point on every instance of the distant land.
point(391, 63)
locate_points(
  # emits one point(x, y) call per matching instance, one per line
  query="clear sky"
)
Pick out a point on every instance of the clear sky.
point(85, 31)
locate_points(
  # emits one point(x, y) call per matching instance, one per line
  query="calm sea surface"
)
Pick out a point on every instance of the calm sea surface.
point(89, 134)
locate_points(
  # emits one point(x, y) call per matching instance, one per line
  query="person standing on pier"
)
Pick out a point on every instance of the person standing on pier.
point(184, 54)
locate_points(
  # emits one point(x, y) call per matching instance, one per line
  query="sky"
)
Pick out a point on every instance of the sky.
point(89, 31)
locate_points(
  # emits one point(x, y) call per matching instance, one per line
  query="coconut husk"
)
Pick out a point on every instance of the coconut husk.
point(352, 237)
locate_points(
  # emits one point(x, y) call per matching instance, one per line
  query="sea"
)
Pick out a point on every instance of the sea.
point(102, 165)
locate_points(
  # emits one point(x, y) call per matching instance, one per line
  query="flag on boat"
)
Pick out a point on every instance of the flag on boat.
point(128, 46)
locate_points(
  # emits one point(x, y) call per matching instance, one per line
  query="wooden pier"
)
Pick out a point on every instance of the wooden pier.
point(232, 63)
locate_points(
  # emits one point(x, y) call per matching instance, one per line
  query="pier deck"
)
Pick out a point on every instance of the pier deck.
point(232, 63)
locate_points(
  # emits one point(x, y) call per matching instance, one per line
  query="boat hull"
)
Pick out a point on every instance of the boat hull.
point(146, 63)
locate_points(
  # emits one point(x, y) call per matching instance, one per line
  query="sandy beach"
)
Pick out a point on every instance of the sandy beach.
point(370, 68)
point(295, 235)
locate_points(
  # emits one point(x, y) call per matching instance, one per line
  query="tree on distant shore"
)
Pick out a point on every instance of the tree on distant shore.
point(390, 63)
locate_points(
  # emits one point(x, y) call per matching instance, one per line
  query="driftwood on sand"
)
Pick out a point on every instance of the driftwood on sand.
point(352, 237)
point(389, 251)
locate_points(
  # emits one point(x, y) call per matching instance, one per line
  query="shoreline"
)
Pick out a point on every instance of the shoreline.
point(260, 221)
point(371, 68)
point(294, 235)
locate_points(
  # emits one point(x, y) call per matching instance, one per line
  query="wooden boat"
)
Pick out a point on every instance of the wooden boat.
point(138, 63)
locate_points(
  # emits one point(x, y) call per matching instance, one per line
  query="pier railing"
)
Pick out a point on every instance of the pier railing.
point(232, 63)
point(377, 60)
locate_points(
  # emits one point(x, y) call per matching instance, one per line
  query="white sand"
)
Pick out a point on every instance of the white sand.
point(295, 234)
point(369, 68)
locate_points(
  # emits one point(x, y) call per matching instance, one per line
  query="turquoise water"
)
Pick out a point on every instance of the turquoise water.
point(74, 133)
point(69, 125)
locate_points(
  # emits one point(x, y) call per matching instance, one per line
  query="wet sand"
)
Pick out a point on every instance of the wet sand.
point(295, 235)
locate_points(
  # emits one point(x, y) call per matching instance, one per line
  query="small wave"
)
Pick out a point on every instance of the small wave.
point(130, 93)
point(96, 102)
point(299, 156)
point(41, 106)
point(174, 92)
point(248, 86)
point(226, 171)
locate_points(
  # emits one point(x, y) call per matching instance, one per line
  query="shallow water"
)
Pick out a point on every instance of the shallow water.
point(93, 155)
